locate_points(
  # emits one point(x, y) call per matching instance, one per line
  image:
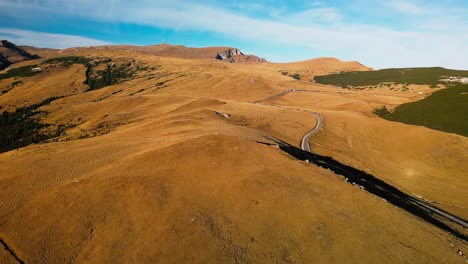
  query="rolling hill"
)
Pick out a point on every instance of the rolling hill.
point(444, 110)
point(157, 154)
point(10, 54)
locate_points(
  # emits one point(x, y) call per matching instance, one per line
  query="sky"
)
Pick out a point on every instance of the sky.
point(377, 33)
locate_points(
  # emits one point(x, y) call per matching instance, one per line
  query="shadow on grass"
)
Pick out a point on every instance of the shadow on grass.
point(377, 187)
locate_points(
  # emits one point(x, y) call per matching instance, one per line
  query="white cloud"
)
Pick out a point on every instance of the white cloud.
point(377, 46)
point(40, 39)
point(318, 15)
point(408, 7)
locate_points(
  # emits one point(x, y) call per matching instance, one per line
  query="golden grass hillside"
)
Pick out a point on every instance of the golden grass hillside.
point(177, 165)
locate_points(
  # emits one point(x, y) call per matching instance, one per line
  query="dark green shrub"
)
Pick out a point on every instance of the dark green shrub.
point(296, 76)
point(427, 76)
point(113, 74)
point(68, 60)
point(382, 112)
point(20, 128)
point(24, 71)
point(444, 110)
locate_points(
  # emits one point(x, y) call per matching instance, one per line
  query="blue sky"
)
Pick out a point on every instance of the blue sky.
point(380, 34)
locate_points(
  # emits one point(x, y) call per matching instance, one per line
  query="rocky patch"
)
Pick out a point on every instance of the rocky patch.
point(234, 55)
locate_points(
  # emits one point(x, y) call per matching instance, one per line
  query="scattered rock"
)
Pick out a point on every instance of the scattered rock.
point(223, 115)
point(358, 186)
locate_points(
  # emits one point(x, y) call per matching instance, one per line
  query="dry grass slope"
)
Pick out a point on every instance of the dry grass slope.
point(149, 172)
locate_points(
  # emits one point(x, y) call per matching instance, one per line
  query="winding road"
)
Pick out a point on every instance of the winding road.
point(305, 140)
point(417, 207)
point(306, 147)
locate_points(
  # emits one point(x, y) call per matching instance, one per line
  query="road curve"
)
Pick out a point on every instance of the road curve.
point(399, 198)
point(368, 182)
point(421, 204)
point(305, 140)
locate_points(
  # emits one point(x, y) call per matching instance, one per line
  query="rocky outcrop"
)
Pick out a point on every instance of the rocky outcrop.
point(236, 56)
point(10, 53)
point(227, 54)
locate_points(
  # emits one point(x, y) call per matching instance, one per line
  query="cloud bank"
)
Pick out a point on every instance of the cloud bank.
point(47, 40)
point(416, 34)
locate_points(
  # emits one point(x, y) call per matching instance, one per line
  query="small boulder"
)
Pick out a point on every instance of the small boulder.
point(223, 115)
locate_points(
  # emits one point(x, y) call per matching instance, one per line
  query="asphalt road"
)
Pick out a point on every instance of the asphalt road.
point(305, 140)
point(442, 215)
point(434, 210)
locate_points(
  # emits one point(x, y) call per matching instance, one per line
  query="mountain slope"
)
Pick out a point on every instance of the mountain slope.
point(178, 164)
point(330, 65)
point(10, 54)
point(228, 54)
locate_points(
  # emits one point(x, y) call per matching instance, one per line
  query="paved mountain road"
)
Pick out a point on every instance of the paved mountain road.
point(305, 140)
point(392, 191)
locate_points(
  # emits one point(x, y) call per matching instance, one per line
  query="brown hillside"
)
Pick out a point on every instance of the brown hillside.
point(182, 52)
point(330, 65)
point(42, 52)
point(321, 66)
point(179, 164)
point(166, 50)
point(10, 54)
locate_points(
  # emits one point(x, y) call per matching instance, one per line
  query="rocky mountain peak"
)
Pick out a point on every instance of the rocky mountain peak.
point(224, 55)
point(234, 55)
